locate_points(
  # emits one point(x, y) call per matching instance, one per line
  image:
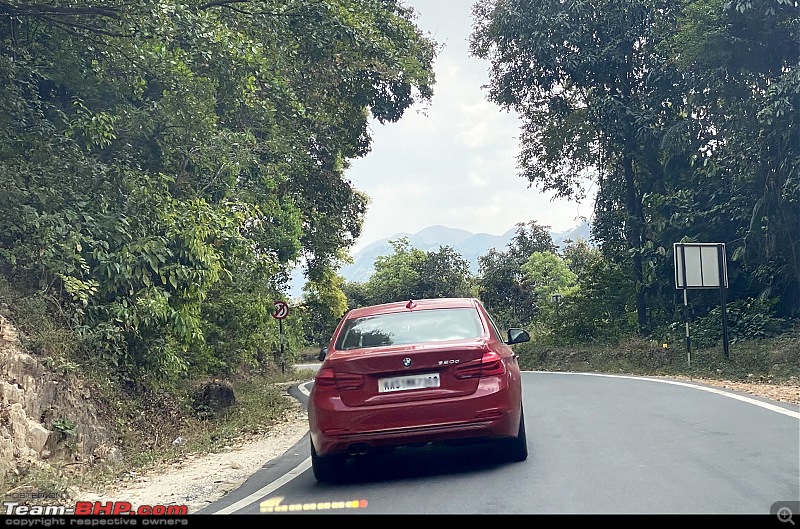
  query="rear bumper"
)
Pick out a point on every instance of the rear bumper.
point(489, 413)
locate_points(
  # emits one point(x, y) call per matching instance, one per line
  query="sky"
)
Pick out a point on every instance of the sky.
point(452, 163)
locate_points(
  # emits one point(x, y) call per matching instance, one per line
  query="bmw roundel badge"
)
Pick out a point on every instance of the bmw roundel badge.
point(407, 362)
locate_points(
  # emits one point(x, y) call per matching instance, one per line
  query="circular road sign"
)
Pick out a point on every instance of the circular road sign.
point(281, 310)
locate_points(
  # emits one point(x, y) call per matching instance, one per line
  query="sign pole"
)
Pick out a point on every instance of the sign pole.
point(686, 318)
point(281, 311)
point(723, 286)
point(283, 358)
point(686, 305)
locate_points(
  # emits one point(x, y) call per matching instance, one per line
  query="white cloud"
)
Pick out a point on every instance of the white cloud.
point(455, 166)
point(477, 180)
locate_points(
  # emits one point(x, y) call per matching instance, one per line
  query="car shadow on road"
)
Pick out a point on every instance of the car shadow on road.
point(413, 462)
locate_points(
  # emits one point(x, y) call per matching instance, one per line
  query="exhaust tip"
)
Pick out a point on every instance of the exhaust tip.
point(358, 449)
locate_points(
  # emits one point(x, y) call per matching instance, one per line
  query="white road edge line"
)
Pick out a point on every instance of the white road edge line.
point(306, 464)
point(269, 488)
point(260, 493)
point(722, 392)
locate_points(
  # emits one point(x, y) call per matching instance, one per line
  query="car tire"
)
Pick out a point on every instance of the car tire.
point(516, 448)
point(328, 468)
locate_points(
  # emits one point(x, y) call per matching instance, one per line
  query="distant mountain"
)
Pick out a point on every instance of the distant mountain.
point(469, 245)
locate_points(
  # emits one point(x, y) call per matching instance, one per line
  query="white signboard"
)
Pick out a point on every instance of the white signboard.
point(700, 265)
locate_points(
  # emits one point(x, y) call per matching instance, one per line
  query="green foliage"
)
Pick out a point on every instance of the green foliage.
point(740, 62)
point(501, 283)
point(164, 165)
point(410, 273)
point(325, 303)
point(444, 273)
point(65, 426)
point(356, 294)
point(682, 114)
point(580, 256)
point(396, 276)
point(595, 98)
point(548, 274)
point(748, 319)
point(600, 309)
point(771, 360)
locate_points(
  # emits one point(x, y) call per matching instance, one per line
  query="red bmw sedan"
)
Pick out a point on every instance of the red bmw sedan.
point(421, 371)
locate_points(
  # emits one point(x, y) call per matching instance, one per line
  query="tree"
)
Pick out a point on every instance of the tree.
point(548, 274)
point(356, 294)
point(501, 284)
point(601, 308)
point(161, 161)
point(445, 273)
point(396, 276)
point(742, 62)
point(325, 303)
point(410, 273)
point(530, 237)
point(593, 93)
point(580, 256)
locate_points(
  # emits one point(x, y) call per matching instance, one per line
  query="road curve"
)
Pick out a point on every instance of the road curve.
point(598, 444)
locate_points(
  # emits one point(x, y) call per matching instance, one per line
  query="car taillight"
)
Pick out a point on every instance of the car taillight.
point(328, 379)
point(349, 381)
point(325, 379)
point(490, 364)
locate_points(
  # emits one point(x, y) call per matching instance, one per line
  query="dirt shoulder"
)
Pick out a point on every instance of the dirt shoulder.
point(787, 393)
point(200, 479)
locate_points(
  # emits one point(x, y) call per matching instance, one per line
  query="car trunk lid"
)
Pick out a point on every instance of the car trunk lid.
point(403, 373)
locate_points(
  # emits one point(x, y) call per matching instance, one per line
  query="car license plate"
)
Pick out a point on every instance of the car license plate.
point(428, 380)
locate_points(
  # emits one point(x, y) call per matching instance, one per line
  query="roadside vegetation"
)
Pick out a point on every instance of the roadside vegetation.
point(165, 165)
point(765, 361)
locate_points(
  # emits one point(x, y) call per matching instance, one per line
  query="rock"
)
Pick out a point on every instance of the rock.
point(214, 397)
point(37, 436)
point(6, 455)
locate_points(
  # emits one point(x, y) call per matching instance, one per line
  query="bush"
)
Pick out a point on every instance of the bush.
point(748, 319)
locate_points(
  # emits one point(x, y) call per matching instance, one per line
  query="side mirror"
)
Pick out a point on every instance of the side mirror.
point(322, 353)
point(518, 336)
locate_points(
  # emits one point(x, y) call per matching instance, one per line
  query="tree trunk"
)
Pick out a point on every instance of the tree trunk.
point(634, 229)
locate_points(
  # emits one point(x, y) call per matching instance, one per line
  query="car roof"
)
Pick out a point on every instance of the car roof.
point(419, 304)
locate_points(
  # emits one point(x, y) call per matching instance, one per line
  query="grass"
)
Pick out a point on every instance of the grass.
point(261, 401)
point(771, 360)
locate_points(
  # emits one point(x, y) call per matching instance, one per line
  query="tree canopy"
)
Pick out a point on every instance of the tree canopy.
point(410, 273)
point(684, 115)
point(165, 164)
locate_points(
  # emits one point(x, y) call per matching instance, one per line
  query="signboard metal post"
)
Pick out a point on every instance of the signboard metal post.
point(556, 299)
point(281, 311)
point(686, 313)
point(723, 298)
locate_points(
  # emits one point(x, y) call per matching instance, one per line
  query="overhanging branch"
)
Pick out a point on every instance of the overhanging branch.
point(38, 10)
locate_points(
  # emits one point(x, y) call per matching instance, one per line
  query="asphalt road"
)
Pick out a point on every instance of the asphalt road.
point(598, 444)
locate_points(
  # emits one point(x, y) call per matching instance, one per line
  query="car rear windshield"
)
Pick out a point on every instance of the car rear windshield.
point(430, 325)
